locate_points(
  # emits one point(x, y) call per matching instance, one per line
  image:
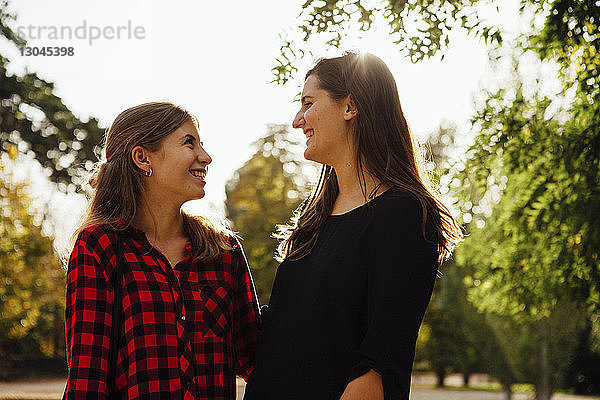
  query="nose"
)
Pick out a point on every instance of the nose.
point(298, 121)
point(203, 157)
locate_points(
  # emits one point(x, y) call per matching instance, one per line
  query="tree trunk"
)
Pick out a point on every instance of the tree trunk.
point(56, 332)
point(441, 375)
point(466, 376)
point(543, 390)
point(507, 392)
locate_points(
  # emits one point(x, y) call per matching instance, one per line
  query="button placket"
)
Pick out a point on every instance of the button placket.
point(184, 346)
point(183, 329)
point(177, 293)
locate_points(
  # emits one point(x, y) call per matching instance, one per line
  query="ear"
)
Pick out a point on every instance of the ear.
point(140, 157)
point(350, 110)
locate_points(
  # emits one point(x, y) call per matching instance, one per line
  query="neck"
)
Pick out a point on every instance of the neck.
point(160, 220)
point(350, 185)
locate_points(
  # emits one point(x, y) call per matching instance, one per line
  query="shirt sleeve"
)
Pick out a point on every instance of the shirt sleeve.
point(246, 315)
point(88, 319)
point(402, 268)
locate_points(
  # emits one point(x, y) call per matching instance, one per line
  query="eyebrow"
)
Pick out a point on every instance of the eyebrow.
point(189, 135)
point(306, 97)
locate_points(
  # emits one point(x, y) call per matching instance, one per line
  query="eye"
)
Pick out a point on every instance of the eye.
point(189, 140)
point(307, 104)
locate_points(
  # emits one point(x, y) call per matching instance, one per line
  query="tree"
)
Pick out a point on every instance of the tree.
point(422, 28)
point(460, 338)
point(262, 194)
point(39, 123)
point(419, 28)
point(584, 371)
point(456, 331)
point(456, 336)
point(34, 124)
point(544, 237)
point(31, 277)
point(531, 183)
point(5, 21)
point(536, 350)
point(442, 344)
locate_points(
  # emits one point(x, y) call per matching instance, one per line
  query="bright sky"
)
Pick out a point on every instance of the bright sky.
point(214, 58)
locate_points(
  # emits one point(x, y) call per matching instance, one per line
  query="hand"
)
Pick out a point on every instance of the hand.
point(366, 387)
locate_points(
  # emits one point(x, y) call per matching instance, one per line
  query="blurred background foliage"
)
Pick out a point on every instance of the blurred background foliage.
point(520, 301)
point(32, 282)
point(262, 194)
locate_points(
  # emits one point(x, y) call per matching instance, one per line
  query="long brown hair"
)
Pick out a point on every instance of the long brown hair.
point(383, 146)
point(118, 184)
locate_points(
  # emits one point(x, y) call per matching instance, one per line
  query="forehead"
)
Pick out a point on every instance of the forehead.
point(188, 128)
point(311, 86)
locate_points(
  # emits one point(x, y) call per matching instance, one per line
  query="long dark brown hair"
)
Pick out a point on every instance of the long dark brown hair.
point(383, 146)
point(118, 184)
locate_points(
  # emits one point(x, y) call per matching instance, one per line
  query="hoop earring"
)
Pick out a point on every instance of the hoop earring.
point(148, 173)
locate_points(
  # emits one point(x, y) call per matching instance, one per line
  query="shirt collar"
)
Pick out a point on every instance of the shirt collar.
point(124, 226)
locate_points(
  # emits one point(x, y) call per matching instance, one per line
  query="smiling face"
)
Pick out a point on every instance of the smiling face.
point(179, 166)
point(325, 123)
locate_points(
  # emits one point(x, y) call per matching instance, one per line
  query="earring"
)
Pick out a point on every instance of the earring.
point(148, 173)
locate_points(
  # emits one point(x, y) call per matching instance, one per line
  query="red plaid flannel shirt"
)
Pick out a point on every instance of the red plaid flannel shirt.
point(187, 330)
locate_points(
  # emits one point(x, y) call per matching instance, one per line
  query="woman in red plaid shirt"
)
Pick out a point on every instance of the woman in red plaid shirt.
point(190, 316)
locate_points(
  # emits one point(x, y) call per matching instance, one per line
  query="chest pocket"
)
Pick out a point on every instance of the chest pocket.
point(212, 307)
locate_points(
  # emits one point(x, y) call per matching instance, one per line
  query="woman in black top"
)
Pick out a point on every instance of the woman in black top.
point(361, 255)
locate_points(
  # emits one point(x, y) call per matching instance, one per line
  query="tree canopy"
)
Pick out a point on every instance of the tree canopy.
point(422, 28)
point(31, 277)
point(38, 122)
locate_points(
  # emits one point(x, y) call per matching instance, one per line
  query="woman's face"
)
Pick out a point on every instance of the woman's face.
point(179, 166)
point(325, 124)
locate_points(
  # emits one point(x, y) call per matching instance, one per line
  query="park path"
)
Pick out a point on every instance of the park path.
point(51, 389)
point(418, 393)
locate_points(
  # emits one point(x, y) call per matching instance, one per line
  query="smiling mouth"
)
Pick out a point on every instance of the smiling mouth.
point(198, 173)
point(309, 133)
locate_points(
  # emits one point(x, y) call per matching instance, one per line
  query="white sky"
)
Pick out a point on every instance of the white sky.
point(214, 58)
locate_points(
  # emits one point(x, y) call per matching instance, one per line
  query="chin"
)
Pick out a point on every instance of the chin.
point(197, 196)
point(309, 155)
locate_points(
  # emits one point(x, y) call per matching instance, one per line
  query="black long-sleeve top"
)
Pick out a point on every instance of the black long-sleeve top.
point(353, 304)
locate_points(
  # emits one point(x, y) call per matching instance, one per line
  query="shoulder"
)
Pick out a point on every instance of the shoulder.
point(230, 248)
point(237, 250)
point(96, 245)
point(234, 242)
point(398, 197)
point(97, 237)
point(398, 223)
point(237, 253)
point(397, 206)
point(400, 215)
